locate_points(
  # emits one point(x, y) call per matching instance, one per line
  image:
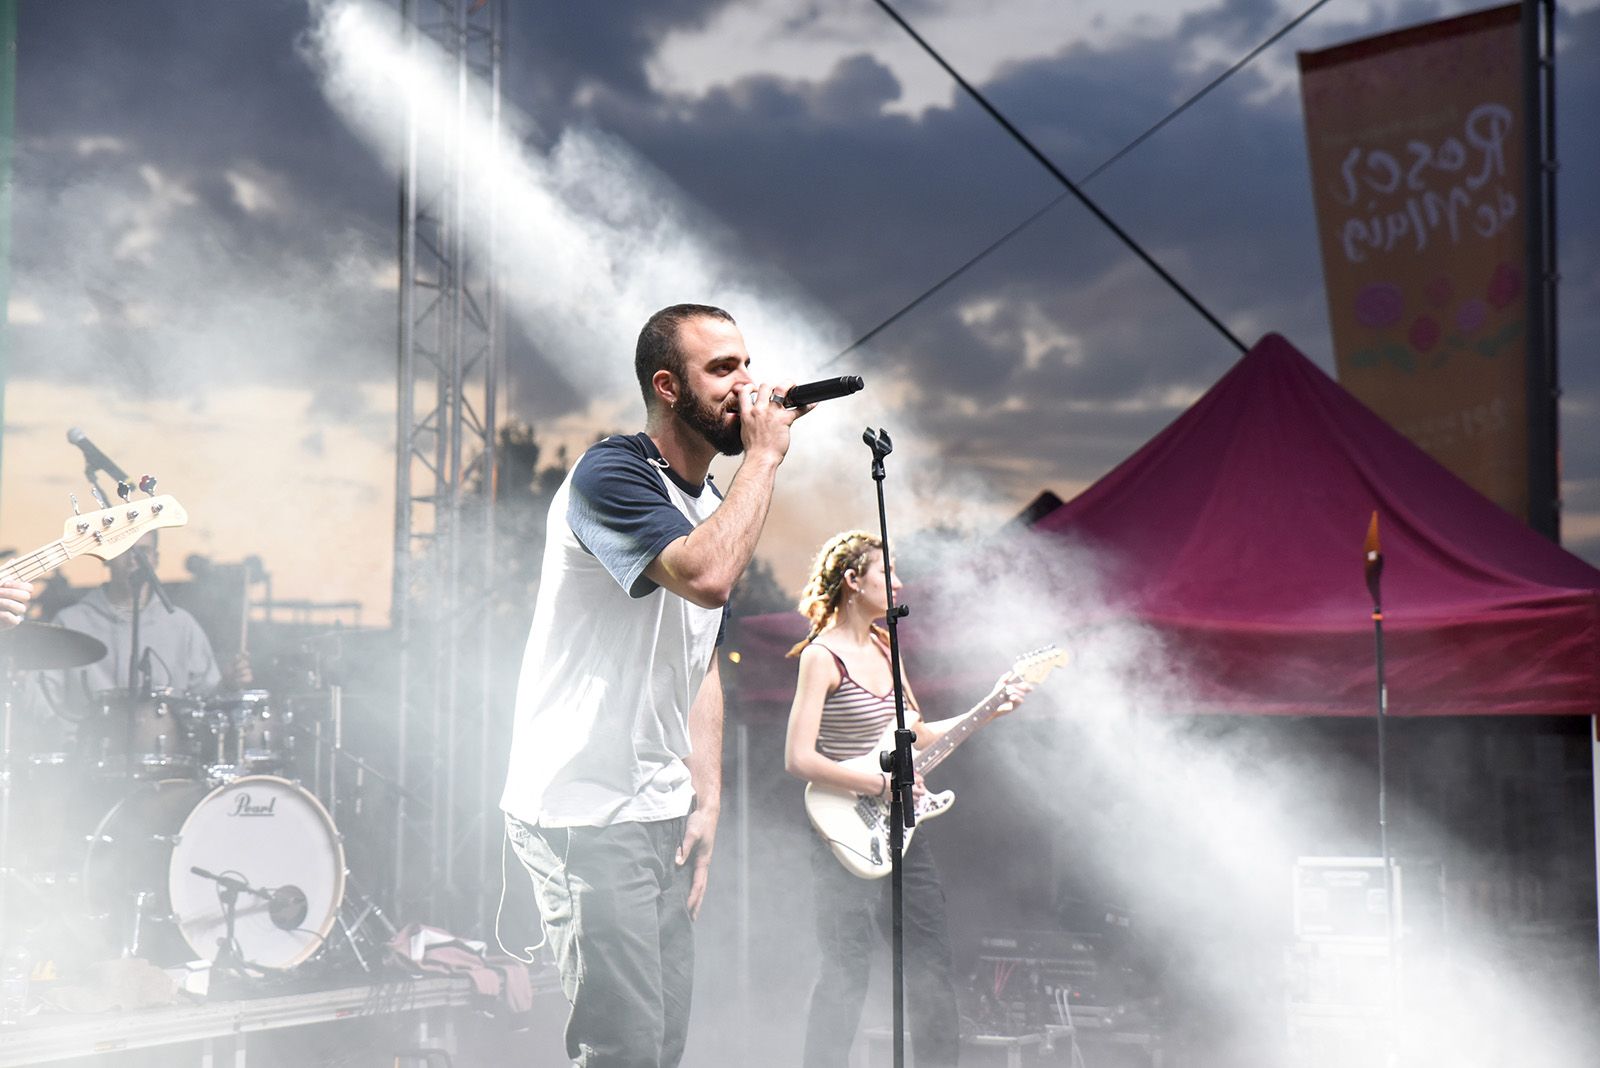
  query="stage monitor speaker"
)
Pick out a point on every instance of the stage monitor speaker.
point(1342, 899)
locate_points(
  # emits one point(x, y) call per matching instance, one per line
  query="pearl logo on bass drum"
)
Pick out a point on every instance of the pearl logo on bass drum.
point(242, 806)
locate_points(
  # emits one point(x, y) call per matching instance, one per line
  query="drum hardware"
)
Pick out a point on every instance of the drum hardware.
point(146, 791)
point(49, 647)
point(141, 902)
point(28, 647)
point(37, 646)
point(356, 930)
point(140, 895)
point(242, 734)
point(149, 735)
point(273, 828)
point(286, 907)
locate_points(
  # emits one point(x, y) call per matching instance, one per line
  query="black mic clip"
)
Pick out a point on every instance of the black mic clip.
point(146, 672)
point(881, 445)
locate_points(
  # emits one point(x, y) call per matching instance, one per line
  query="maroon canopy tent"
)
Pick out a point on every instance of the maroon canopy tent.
point(1237, 534)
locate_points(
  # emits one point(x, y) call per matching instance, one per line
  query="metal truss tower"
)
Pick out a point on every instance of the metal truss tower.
point(450, 364)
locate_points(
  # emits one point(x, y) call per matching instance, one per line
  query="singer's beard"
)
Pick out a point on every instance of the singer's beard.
point(706, 419)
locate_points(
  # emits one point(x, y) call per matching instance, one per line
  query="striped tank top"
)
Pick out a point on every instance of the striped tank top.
point(853, 717)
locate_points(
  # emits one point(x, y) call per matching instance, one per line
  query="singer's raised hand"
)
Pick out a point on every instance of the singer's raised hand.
point(764, 423)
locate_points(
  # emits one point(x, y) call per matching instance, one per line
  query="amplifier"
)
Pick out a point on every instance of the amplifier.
point(1342, 899)
point(1027, 979)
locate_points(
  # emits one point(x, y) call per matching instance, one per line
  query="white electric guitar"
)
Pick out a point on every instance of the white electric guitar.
point(857, 827)
point(107, 533)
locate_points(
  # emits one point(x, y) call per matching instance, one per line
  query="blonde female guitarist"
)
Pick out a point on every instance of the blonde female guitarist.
point(844, 698)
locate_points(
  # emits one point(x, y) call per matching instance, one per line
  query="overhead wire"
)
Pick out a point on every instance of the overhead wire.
point(1047, 208)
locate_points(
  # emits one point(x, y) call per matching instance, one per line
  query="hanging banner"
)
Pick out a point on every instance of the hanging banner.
point(1416, 147)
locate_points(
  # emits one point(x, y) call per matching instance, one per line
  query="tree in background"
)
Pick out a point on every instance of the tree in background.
point(523, 492)
point(758, 592)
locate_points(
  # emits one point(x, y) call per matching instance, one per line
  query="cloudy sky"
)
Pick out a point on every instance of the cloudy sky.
point(204, 208)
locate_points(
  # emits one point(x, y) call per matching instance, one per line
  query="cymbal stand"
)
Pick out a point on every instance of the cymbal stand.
point(353, 929)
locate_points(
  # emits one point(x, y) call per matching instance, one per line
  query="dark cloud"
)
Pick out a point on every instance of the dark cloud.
point(1243, 23)
point(557, 49)
point(866, 207)
point(195, 86)
point(188, 211)
point(1058, 349)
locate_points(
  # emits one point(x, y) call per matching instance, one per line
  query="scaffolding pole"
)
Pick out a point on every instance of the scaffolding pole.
point(450, 362)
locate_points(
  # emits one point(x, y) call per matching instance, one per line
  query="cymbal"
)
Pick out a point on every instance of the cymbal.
point(48, 647)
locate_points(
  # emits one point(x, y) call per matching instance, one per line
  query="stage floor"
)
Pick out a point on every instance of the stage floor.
point(421, 1012)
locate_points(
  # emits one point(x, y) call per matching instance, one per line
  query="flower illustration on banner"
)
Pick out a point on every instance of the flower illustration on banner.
point(1471, 316)
point(1379, 304)
point(1439, 291)
point(1424, 333)
point(1505, 285)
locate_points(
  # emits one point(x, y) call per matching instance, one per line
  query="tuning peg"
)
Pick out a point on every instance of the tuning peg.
point(124, 491)
point(94, 491)
point(147, 484)
point(73, 497)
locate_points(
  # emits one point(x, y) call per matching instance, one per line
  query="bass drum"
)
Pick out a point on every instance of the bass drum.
point(264, 830)
point(276, 837)
point(124, 873)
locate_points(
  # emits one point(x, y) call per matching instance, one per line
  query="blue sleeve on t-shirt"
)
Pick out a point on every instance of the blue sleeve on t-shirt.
point(619, 508)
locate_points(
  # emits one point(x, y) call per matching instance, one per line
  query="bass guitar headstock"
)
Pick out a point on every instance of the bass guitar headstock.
point(110, 532)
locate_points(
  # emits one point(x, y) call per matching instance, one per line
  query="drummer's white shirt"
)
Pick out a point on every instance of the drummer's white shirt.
point(613, 661)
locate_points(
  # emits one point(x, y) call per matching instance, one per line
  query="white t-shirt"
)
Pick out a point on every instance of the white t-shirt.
point(613, 661)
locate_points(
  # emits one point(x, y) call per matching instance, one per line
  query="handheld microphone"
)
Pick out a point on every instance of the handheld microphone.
point(826, 389)
point(97, 460)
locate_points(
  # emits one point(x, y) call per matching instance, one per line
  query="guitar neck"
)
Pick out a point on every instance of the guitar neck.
point(985, 711)
point(39, 562)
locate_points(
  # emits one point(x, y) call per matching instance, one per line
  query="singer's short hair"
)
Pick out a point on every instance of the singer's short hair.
point(659, 348)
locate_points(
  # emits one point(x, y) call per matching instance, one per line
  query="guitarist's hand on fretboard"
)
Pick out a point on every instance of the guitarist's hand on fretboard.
point(1014, 688)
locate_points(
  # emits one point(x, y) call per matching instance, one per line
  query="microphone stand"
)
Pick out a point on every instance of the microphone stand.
point(902, 778)
point(1374, 574)
point(228, 965)
point(143, 576)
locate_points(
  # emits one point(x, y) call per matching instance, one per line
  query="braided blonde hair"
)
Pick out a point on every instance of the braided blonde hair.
point(824, 590)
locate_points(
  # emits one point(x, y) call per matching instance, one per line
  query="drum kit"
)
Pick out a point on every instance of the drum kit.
point(173, 830)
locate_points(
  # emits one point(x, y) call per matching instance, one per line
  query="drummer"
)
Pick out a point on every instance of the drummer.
point(174, 654)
